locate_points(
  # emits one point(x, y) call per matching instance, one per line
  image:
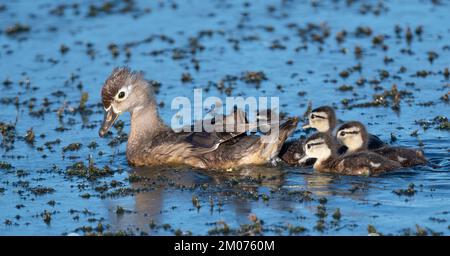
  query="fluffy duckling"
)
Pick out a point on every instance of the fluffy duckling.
point(322, 147)
point(151, 142)
point(355, 137)
point(324, 120)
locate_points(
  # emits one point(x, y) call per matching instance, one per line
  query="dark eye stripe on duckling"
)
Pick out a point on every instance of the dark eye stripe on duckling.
point(309, 145)
point(317, 116)
point(352, 132)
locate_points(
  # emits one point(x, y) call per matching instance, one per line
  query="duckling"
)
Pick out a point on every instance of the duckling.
point(323, 119)
point(151, 142)
point(354, 136)
point(323, 147)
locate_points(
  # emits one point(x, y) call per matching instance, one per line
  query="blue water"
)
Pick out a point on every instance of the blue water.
point(32, 61)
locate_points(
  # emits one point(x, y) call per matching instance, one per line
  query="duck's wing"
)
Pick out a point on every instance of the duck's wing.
point(210, 141)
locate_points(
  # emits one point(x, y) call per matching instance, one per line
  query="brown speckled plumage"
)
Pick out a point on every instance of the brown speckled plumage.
point(405, 156)
point(292, 151)
point(360, 163)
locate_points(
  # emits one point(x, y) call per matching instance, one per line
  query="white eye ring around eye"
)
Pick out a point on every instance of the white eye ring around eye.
point(121, 95)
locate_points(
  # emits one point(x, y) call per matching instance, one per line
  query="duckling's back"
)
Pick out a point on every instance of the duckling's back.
point(364, 163)
point(406, 157)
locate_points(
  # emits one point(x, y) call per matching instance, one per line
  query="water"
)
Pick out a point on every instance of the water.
point(268, 36)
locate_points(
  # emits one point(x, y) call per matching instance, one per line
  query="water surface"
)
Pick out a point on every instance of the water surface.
point(66, 49)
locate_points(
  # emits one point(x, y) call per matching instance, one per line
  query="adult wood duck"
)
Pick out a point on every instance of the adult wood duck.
point(151, 142)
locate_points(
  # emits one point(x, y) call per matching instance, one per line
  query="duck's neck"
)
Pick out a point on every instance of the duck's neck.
point(145, 124)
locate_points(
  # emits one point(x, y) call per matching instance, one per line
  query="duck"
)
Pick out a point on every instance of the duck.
point(323, 119)
point(322, 147)
point(355, 137)
point(153, 143)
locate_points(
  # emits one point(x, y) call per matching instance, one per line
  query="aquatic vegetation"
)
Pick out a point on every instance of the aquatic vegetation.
point(391, 74)
point(40, 190)
point(72, 147)
point(410, 191)
point(90, 171)
point(17, 29)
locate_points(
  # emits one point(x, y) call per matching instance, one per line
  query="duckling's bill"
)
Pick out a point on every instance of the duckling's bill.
point(108, 120)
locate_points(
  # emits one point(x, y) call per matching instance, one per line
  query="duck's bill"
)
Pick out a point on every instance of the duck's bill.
point(306, 126)
point(303, 159)
point(108, 121)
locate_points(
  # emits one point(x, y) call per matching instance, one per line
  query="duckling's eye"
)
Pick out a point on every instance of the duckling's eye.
point(342, 133)
point(121, 95)
point(313, 116)
point(308, 146)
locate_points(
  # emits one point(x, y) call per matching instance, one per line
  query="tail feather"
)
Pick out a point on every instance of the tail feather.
point(273, 146)
point(287, 128)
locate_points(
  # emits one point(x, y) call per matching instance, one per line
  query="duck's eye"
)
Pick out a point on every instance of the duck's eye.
point(308, 146)
point(342, 133)
point(313, 116)
point(121, 95)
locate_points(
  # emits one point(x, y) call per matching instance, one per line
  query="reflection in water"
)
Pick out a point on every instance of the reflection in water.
point(172, 190)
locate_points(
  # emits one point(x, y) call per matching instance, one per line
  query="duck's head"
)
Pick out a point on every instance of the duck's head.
point(323, 119)
point(353, 135)
point(319, 146)
point(123, 91)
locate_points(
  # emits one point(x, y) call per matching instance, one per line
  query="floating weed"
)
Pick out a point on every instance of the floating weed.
point(17, 29)
point(320, 225)
point(295, 230)
point(337, 214)
point(93, 145)
point(221, 228)
point(196, 202)
point(152, 224)
point(372, 230)
point(46, 217)
point(421, 231)
point(410, 191)
point(186, 78)
point(29, 137)
point(323, 201)
point(63, 49)
point(121, 211)
point(8, 132)
point(39, 190)
point(72, 147)
point(84, 98)
point(251, 77)
point(91, 172)
point(321, 211)
point(5, 165)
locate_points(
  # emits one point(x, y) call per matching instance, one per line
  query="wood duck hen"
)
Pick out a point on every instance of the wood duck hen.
point(151, 142)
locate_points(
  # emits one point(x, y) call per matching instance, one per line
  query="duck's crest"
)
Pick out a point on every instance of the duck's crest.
point(115, 81)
